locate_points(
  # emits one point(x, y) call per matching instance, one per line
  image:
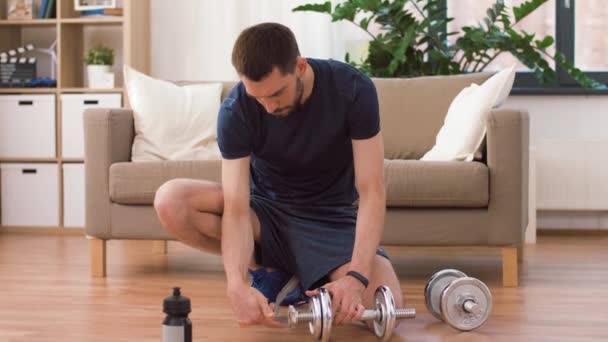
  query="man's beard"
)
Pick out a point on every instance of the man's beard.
point(297, 102)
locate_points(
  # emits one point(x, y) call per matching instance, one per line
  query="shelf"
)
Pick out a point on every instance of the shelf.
point(72, 160)
point(28, 90)
point(93, 20)
point(90, 90)
point(28, 160)
point(29, 22)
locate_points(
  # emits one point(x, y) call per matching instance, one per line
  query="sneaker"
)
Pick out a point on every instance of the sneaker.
point(271, 283)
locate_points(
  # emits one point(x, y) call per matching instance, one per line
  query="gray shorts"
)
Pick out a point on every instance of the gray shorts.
point(309, 242)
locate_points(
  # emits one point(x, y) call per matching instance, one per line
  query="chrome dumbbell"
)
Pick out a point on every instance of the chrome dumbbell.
point(463, 302)
point(319, 314)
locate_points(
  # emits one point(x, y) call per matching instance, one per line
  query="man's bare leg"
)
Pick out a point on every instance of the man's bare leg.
point(191, 211)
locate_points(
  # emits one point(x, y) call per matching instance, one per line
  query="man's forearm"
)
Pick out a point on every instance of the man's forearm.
point(237, 248)
point(370, 225)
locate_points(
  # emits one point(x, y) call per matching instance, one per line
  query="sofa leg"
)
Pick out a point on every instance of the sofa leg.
point(98, 257)
point(520, 253)
point(509, 267)
point(159, 246)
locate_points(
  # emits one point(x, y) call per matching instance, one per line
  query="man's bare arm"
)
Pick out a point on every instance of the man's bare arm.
point(237, 233)
point(369, 174)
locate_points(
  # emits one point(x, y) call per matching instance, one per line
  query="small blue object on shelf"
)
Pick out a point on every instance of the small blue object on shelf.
point(42, 9)
point(47, 9)
point(45, 82)
point(92, 12)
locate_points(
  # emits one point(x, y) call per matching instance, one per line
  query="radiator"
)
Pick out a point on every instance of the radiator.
point(571, 174)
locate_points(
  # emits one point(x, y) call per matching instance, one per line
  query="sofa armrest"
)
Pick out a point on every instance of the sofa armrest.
point(507, 159)
point(108, 137)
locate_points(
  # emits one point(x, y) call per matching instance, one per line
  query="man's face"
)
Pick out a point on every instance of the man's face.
point(279, 94)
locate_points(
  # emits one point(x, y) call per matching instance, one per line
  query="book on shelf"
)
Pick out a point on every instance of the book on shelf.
point(103, 12)
point(47, 9)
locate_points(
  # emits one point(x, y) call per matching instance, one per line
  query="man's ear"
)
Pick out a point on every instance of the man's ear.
point(301, 65)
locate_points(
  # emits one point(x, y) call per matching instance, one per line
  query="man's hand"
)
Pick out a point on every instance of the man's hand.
point(251, 307)
point(346, 301)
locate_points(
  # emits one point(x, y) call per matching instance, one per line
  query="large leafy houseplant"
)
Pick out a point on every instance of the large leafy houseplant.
point(407, 46)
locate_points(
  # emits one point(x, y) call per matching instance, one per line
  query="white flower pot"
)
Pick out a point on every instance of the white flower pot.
point(100, 76)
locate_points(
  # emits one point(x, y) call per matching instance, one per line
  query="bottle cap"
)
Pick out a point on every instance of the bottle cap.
point(176, 304)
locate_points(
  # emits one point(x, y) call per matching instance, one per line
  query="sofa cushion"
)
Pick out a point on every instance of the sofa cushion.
point(412, 110)
point(409, 183)
point(136, 183)
point(173, 122)
point(414, 183)
point(464, 127)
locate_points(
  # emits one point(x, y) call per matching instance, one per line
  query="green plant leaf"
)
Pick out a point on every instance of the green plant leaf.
point(545, 43)
point(345, 11)
point(99, 55)
point(364, 23)
point(577, 74)
point(368, 5)
point(525, 8)
point(322, 7)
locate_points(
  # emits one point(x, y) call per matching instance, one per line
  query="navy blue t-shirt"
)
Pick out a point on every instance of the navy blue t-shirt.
point(305, 158)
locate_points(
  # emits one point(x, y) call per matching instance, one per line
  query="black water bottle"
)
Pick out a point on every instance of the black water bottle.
point(177, 327)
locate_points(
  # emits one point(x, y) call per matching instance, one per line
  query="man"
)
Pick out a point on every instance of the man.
point(296, 136)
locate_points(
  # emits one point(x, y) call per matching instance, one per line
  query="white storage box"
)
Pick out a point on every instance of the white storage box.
point(29, 195)
point(72, 110)
point(27, 126)
point(73, 195)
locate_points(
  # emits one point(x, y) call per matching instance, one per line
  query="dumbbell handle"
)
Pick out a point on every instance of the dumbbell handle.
point(471, 306)
point(371, 315)
point(368, 315)
point(304, 317)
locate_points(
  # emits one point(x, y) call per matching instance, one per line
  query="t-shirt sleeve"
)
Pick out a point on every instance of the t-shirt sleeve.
point(233, 136)
point(364, 116)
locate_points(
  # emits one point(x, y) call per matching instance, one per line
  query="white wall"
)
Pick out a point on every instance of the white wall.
point(565, 117)
point(193, 39)
point(578, 128)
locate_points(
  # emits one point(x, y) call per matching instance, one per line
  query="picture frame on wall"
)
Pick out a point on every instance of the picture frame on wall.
point(87, 5)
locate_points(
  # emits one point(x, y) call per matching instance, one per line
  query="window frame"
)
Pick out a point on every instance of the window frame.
point(526, 82)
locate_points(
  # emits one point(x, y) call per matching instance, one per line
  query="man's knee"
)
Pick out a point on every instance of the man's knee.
point(168, 202)
point(383, 274)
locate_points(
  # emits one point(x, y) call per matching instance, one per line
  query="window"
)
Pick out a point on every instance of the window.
point(578, 26)
point(591, 40)
point(471, 12)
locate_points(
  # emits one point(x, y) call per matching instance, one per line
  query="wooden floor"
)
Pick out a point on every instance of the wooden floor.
point(46, 294)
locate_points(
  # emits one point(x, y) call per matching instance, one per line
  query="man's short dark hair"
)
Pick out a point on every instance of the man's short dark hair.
point(261, 47)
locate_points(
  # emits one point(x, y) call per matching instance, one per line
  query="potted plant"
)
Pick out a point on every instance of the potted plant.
point(99, 60)
point(407, 46)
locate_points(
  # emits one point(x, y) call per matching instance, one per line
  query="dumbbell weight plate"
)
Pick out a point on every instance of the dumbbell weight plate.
point(453, 298)
point(326, 314)
point(385, 303)
point(434, 289)
point(316, 325)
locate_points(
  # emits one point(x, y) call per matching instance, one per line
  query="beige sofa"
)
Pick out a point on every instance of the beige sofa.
point(472, 204)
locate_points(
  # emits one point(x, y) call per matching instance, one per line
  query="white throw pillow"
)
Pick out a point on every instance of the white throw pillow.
point(465, 123)
point(173, 122)
point(506, 87)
